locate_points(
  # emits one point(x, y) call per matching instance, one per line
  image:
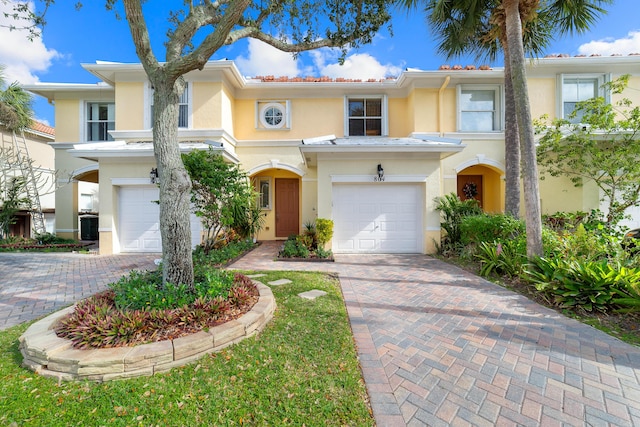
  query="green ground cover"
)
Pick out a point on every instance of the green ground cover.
point(301, 369)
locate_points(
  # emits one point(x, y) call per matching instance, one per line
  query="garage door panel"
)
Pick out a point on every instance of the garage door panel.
point(377, 218)
point(139, 220)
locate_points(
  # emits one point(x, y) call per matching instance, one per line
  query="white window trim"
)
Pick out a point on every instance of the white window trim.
point(84, 117)
point(262, 105)
point(260, 180)
point(385, 112)
point(602, 79)
point(499, 106)
point(148, 98)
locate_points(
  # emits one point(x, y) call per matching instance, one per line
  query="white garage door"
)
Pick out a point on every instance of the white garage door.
point(139, 215)
point(377, 218)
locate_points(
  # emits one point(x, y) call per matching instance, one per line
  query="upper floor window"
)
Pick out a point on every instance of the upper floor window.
point(479, 108)
point(577, 88)
point(366, 116)
point(101, 118)
point(183, 107)
point(273, 115)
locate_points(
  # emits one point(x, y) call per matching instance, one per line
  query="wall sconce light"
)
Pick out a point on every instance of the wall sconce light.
point(380, 176)
point(154, 177)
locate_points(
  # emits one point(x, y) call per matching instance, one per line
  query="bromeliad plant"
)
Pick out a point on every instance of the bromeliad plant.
point(590, 285)
point(139, 308)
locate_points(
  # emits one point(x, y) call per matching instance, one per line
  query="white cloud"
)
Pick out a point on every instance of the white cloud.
point(358, 66)
point(606, 47)
point(21, 57)
point(263, 59)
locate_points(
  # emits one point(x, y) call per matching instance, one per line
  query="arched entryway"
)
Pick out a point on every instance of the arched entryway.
point(279, 196)
point(483, 183)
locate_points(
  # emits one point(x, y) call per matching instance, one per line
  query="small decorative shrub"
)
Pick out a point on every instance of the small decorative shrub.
point(324, 230)
point(453, 210)
point(323, 253)
point(500, 258)
point(294, 248)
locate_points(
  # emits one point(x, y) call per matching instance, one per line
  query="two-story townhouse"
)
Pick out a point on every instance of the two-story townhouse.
point(371, 155)
point(33, 147)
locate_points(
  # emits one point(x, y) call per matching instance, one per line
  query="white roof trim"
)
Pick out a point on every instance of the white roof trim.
point(112, 149)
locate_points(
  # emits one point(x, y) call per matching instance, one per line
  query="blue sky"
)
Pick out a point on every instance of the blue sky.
point(74, 37)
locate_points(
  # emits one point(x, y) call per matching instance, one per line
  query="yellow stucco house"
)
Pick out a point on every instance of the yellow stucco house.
point(370, 155)
point(33, 144)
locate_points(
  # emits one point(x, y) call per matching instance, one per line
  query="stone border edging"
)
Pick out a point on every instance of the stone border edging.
point(51, 356)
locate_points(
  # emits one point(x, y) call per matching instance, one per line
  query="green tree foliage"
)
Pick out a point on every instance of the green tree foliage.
point(222, 195)
point(12, 202)
point(16, 111)
point(602, 149)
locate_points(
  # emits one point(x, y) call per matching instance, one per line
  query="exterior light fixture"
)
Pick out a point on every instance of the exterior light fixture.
point(154, 178)
point(380, 176)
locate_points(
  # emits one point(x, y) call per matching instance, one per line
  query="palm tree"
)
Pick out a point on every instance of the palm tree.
point(485, 26)
point(15, 106)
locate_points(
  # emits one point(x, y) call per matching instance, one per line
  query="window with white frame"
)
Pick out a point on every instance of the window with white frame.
point(366, 116)
point(86, 202)
point(479, 108)
point(577, 88)
point(273, 115)
point(264, 192)
point(101, 118)
point(183, 107)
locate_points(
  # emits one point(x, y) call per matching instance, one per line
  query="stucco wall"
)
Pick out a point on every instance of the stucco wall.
point(130, 105)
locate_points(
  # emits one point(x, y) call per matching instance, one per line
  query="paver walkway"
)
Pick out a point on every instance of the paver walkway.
point(35, 284)
point(441, 347)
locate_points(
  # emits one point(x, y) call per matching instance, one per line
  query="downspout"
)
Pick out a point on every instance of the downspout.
point(441, 104)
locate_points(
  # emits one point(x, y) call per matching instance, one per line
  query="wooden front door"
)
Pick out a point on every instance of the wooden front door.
point(470, 187)
point(287, 207)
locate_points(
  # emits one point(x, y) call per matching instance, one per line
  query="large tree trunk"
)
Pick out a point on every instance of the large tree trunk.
point(511, 145)
point(175, 184)
point(533, 217)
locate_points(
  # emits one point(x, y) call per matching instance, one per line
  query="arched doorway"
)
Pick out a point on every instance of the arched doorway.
point(280, 197)
point(483, 183)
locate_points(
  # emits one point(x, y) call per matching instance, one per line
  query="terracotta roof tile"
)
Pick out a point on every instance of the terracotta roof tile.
point(42, 128)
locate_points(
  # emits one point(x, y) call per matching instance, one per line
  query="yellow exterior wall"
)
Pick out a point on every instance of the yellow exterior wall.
point(425, 113)
point(542, 96)
point(67, 116)
point(207, 105)
point(130, 104)
point(309, 117)
point(227, 105)
point(399, 120)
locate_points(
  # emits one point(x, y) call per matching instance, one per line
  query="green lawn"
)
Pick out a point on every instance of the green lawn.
point(301, 370)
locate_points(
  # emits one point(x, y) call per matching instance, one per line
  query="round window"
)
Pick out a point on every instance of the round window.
point(272, 115)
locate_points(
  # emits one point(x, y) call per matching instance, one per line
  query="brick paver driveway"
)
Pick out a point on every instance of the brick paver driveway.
point(35, 284)
point(441, 347)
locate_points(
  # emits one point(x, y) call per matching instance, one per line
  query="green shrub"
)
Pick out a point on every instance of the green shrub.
point(144, 290)
point(323, 253)
point(592, 245)
point(294, 248)
point(501, 258)
point(590, 285)
point(489, 228)
point(453, 210)
point(324, 229)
